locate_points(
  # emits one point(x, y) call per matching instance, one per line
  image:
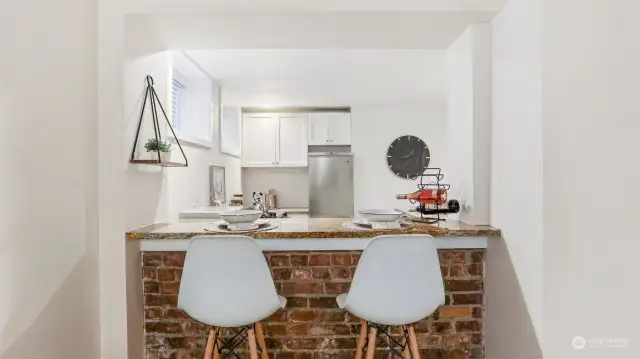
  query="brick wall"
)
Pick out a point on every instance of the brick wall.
point(312, 326)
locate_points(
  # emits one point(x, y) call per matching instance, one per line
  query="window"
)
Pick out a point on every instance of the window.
point(178, 97)
point(195, 101)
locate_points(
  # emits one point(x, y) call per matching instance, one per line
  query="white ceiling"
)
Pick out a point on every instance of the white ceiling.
point(325, 77)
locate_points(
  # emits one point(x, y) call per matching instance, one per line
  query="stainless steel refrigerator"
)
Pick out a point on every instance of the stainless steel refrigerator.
point(331, 185)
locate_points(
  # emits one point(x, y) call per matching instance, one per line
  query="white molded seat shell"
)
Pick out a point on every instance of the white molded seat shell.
point(226, 282)
point(397, 281)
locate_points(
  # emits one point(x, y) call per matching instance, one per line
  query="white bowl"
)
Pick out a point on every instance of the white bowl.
point(381, 215)
point(240, 216)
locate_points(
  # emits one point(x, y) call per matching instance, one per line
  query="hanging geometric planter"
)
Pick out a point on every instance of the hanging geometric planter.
point(158, 148)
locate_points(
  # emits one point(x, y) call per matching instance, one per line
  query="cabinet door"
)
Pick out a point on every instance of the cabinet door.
point(292, 141)
point(259, 140)
point(339, 128)
point(319, 129)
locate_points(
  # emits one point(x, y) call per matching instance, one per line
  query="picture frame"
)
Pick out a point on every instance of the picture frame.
point(217, 183)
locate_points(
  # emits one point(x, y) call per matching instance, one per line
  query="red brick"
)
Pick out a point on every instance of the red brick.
point(152, 259)
point(335, 354)
point(341, 259)
point(323, 330)
point(151, 287)
point(352, 318)
point(297, 330)
point(442, 327)
point(429, 340)
point(149, 273)
point(170, 287)
point(301, 288)
point(342, 343)
point(330, 316)
point(152, 313)
point(281, 273)
point(337, 287)
point(478, 312)
point(355, 259)
point(323, 302)
point(455, 340)
point(422, 326)
point(174, 259)
point(340, 272)
point(280, 261)
point(289, 355)
point(178, 274)
point(275, 330)
point(445, 271)
point(301, 343)
point(175, 313)
point(468, 326)
point(299, 260)
point(321, 272)
point(303, 315)
point(453, 257)
point(448, 312)
point(476, 269)
point(297, 302)
point(317, 260)
point(300, 355)
point(193, 327)
point(475, 298)
point(301, 274)
point(154, 300)
point(477, 256)
point(166, 275)
point(161, 327)
point(462, 285)
point(281, 316)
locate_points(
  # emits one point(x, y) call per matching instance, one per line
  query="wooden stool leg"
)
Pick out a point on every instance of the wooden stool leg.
point(361, 339)
point(405, 352)
point(253, 348)
point(216, 352)
point(413, 343)
point(261, 342)
point(371, 347)
point(210, 342)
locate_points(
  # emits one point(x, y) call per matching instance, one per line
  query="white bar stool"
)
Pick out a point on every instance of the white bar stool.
point(226, 283)
point(397, 282)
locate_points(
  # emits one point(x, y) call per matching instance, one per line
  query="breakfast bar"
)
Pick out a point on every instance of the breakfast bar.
point(312, 260)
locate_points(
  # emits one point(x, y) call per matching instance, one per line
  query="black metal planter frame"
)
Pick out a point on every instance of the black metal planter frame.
point(396, 347)
point(154, 101)
point(230, 345)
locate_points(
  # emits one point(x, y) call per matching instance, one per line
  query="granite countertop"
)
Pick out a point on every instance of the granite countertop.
point(312, 228)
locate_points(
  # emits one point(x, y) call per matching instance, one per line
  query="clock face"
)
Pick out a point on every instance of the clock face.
point(408, 156)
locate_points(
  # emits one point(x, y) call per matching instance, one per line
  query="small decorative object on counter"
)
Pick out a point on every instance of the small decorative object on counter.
point(237, 200)
point(272, 199)
point(431, 197)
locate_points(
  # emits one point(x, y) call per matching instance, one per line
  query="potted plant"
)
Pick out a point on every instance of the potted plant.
point(153, 146)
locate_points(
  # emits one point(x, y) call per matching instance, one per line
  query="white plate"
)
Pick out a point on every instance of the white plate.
point(381, 215)
point(240, 216)
point(259, 225)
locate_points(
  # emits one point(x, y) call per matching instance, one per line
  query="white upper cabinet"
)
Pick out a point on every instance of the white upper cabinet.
point(329, 128)
point(274, 140)
point(259, 140)
point(292, 141)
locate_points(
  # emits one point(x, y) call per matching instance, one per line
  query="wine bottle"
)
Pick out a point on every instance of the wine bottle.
point(427, 196)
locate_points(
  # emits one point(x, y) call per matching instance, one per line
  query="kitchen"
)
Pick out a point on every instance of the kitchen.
point(335, 161)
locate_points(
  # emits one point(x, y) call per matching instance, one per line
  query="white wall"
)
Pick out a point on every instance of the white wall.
point(469, 122)
point(591, 111)
point(48, 229)
point(514, 269)
point(373, 128)
point(291, 185)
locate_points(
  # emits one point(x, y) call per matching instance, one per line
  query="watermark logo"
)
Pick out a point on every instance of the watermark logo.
point(580, 343)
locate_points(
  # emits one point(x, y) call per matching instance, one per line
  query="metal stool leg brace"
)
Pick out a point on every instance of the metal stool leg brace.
point(230, 345)
point(397, 348)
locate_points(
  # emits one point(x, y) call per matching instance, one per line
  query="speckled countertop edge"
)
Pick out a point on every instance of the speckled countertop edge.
point(163, 231)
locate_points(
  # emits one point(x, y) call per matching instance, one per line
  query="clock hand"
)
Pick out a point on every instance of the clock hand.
point(405, 157)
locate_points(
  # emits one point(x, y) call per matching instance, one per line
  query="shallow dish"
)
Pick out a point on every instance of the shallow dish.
point(381, 215)
point(241, 216)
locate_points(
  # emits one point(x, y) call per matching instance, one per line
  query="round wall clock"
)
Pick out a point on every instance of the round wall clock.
point(408, 156)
